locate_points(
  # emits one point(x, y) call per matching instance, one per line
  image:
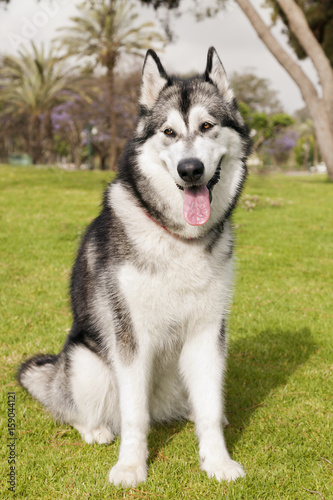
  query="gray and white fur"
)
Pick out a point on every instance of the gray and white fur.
point(149, 290)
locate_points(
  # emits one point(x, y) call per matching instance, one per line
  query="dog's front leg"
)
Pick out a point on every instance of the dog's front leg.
point(202, 363)
point(131, 467)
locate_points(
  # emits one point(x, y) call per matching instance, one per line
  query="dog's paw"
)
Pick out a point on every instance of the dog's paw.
point(127, 475)
point(100, 435)
point(223, 471)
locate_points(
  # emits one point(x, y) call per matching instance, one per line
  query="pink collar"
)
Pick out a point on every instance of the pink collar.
point(166, 229)
point(220, 227)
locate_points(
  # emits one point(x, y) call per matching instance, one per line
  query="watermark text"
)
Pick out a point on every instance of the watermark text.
point(11, 440)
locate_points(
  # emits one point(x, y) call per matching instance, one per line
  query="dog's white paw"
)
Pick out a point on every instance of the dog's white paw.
point(100, 435)
point(127, 475)
point(223, 471)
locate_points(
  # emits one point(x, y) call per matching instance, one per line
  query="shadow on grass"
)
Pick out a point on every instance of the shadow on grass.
point(256, 366)
point(160, 435)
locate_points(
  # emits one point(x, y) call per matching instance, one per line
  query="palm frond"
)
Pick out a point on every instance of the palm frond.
point(104, 30)
point(35, 81)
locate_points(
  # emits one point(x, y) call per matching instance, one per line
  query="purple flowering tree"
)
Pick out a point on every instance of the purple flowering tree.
point(79, 122)
point(280, 146)
point(68, 122)
point(37, 80)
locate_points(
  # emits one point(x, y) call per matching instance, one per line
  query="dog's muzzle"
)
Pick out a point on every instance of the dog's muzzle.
point(191, 170)
point(197, 197)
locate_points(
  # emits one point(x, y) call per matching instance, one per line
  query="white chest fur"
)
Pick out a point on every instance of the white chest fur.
point(178, 283)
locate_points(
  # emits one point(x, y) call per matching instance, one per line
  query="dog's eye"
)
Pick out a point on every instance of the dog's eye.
point(169, 132)
point(206, 126)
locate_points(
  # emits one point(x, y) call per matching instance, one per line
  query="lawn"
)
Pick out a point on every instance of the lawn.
point(279, 394)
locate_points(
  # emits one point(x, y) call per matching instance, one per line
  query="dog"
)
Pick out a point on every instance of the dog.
point(151, 285)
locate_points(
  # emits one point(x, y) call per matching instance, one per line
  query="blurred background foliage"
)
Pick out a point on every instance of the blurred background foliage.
point(75, 103)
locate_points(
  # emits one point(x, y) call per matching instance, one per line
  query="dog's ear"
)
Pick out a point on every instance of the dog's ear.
point(215, 73)
point(154, 78)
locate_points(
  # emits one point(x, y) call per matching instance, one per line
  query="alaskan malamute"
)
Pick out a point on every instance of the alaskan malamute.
point(151, 285)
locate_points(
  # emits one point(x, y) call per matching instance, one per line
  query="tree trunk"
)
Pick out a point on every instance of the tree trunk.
point(35, 139)
point(48, 138)
point(320, 108)
point(112, 115)
point(300, 28)
point(257, 143)
point(77, 155)
point(103, 162)
point(323, 126)
point(315, 152)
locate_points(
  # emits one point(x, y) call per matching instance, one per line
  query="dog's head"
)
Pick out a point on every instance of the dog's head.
point(193, 140)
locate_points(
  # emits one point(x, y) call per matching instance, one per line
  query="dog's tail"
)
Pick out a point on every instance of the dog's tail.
point(43, 377)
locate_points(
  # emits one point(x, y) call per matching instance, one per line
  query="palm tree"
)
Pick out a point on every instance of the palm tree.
point(33, 83)
point(104, 30)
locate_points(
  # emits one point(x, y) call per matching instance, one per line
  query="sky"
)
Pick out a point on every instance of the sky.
point(229, 32)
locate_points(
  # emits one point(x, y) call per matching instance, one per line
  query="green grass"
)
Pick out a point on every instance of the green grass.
point(279, 383)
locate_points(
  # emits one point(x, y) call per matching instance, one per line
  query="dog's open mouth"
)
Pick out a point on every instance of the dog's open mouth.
point(196, 208)
point(197, 200)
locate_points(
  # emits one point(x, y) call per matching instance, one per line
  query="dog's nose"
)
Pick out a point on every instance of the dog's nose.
point(190, 169)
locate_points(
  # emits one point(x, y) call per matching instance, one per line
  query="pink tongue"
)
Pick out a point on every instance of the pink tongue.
point(196, 207)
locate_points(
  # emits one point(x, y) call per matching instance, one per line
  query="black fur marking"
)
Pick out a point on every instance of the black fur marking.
point(159, 65)
point(241, 129)
point(185, 101)
point(214, 236)
point(234, 105)
point(104, 245)
point(209, 65)
point(37, 360)
point(124, 329)
point(222, 336)
point(149, 131)
point(214, 180)
point(90, 339)
point(231, 250)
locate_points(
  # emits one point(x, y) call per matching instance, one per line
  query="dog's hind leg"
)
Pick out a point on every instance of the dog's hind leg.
point(78, 388)
point(95, 396)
